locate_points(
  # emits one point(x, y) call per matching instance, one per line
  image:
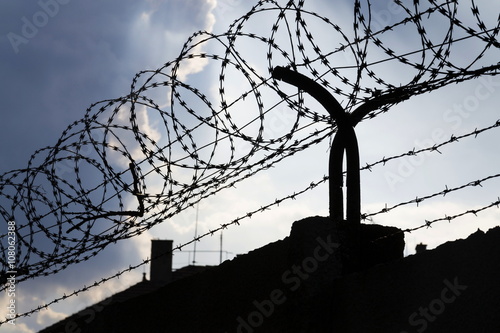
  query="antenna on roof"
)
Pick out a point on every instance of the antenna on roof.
point(220, 256)
point(196, 233)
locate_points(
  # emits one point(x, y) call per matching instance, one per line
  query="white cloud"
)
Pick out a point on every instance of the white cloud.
point(168, 23)
point(48, 316)
point(20, 327)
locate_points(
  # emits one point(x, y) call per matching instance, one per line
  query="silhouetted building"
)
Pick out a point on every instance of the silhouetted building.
point(420, 248)
point(160, 273)
point(299, 284)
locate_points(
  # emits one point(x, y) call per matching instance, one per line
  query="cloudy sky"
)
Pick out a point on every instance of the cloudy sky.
point(82, 52)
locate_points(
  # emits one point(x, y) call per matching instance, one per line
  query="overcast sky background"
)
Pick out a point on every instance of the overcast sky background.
point(90, 50)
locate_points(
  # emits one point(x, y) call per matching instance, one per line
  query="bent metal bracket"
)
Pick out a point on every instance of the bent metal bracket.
point(344, 141)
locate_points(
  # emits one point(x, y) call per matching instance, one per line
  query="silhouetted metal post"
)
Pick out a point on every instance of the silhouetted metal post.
point(345, 141)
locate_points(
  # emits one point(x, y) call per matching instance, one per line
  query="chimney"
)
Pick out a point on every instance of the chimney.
point(420, 248)
point(161, 261)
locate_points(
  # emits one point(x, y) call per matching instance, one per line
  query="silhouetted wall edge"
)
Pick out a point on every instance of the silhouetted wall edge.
point(294, 285)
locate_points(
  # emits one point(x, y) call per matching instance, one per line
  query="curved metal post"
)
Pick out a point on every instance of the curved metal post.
point(344, 141)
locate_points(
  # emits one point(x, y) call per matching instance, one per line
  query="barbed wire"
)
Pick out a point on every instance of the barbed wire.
point(311, 186)
point(418, 200)
point(293, 196)
point(249, 215)
point(449, 218)
point(277, 202)
point(111, 177)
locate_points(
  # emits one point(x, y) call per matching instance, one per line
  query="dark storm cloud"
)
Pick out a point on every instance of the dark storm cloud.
point(71, 61)
point(83, 52)
point(59, 56)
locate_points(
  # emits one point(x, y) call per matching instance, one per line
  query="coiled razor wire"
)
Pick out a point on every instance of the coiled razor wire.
point(111, 176)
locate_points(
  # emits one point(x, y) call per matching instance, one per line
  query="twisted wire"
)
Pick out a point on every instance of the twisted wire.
point(110, 176)
point(312, 185)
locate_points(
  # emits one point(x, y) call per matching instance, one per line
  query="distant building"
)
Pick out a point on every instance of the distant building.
point(298, 284)
point(420, 248)
point(160, 274)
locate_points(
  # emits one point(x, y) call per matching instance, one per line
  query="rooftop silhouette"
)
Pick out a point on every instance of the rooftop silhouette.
point(298, 284)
